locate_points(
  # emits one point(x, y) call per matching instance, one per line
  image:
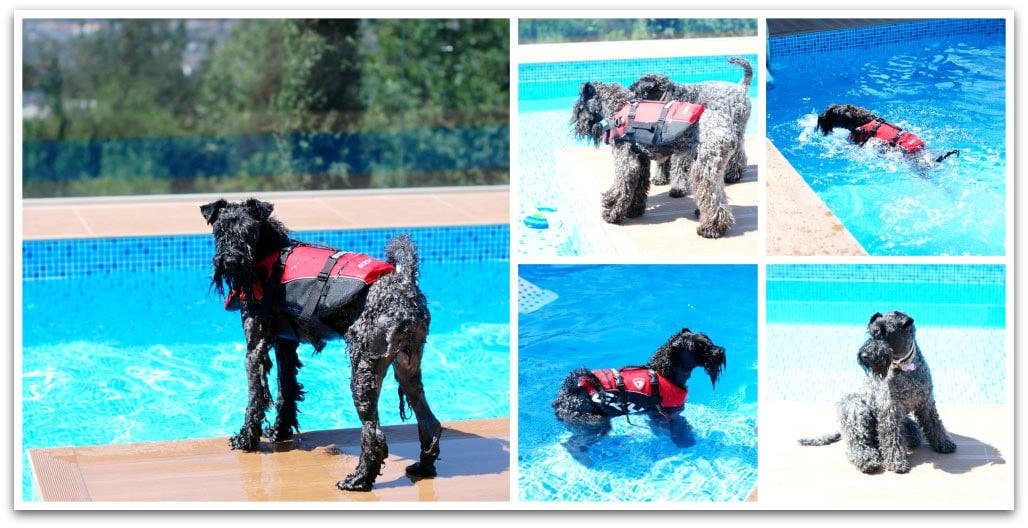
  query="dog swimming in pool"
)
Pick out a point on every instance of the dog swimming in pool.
point(865, 126)
point(589, 399)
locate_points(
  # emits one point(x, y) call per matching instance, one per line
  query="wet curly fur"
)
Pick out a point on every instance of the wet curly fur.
point(385, 326)
point(697, 162)
point(894, 406)
point(674, 360)
point(730, 98)
point(852, 117)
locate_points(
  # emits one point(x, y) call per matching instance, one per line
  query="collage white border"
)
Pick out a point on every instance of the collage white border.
point(9, 223)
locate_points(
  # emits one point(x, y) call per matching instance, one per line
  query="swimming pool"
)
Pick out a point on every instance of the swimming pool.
point(546, 92)
point(611, 316)
point(123, 341)
point(817, 319)
point(945, 81)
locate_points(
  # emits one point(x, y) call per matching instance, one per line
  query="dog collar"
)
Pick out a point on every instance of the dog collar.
point(906, 363)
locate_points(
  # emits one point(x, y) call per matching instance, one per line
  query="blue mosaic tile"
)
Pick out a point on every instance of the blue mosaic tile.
point(50, 259)
point(915, 273)
point(878, 35)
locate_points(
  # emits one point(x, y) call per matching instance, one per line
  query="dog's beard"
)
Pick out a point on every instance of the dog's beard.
point(714, 364)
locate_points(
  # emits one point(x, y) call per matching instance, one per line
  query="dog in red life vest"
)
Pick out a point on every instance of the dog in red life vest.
point(589, 399)
point(865, 125)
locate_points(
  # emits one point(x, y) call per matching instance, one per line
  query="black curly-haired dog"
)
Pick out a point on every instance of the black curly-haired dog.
point(384, 324)
point(875, 421)
point(589, 399)
point(698, 159)
point(731, 98)
point(865, 125)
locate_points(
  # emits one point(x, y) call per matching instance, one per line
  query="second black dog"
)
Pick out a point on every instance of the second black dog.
point(589, 399)
point(384, 323)
point(865, 125)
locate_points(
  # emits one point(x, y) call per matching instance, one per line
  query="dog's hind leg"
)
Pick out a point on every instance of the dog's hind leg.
point(859, 429)
point(679, 169)
point(663, 174)
point(289, 392)
point(583, 436)
point(258, 363)
point(407, 370)
point(368, 368)
point(934, 432)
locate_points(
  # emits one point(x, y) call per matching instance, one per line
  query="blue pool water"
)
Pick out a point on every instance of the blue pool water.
point(942, 80)
point(148, 353)
point(611, 316)
point(817, 319)
point(546, 92)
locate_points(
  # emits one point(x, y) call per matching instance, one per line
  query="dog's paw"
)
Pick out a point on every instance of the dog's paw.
point(946, 446)
point(636, 211)
point(418, 471)
point(612, 217)
point(355, 482)
point(675, 192)
point(733, 176)
point(245, 442)
point(277, 433)
point(709, 231)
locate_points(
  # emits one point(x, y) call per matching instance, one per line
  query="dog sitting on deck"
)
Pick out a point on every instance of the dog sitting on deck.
point(875, 422)
point(376, 307)
point(865, 125)
point(589, 399)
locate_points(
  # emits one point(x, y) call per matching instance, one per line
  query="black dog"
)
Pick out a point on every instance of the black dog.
point(383, 323)
point(588, 399)
point(864, 125)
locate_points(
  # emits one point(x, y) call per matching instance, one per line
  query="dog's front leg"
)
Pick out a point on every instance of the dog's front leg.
point(258, 363)
point(928, 418)
point(366, 385)
point(290, 391)
point(681, 431)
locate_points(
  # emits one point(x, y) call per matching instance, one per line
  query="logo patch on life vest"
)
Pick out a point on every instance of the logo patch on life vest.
point(639, 383)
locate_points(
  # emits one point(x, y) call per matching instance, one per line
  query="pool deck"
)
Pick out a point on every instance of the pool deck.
point(979, 475)
point(668, 227)
point(798, 222)
point(300, 211)
point(473, 466)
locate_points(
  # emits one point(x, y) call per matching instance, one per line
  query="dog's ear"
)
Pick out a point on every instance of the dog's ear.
point(874, 318)
point(907, 321)
point(587, 90)
point(261, 210)
point(211, 210)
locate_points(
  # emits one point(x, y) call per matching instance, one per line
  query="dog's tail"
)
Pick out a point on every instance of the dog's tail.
point(402, 253)
point(821, 440)
point(747, 77)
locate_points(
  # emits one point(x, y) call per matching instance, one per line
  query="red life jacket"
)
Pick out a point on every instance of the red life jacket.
point(652, 123)
point(303, 265)
point(634, 390)
point(889, 133)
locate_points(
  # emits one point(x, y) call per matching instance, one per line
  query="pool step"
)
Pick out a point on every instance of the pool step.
point(532, 297)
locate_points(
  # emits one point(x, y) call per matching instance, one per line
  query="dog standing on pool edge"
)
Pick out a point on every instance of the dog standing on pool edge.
point(589, 399)
point(386, 323)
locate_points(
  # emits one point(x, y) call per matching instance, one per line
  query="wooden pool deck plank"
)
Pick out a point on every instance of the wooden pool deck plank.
point(668, 227)
point(473, 466)
point(798, 222)
point(979, 475)
point(300, 211)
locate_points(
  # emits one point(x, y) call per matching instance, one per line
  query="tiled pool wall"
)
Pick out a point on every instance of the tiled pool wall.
point(878, 35)
point(970, 295)
point(557, 80)
point(64, 258)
